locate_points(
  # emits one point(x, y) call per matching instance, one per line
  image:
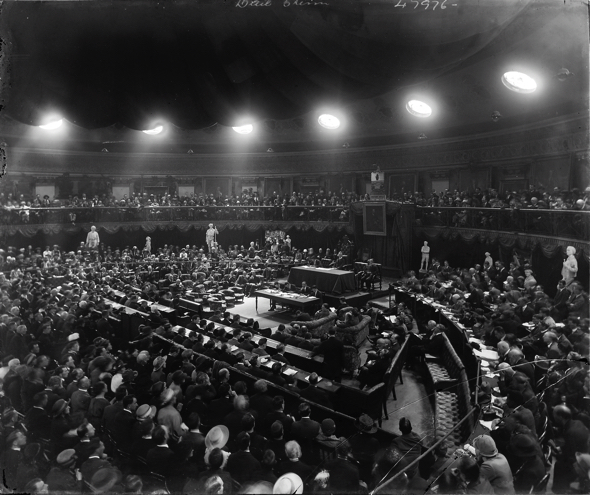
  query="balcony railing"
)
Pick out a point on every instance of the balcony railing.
point(64, 215)
point(573, 224)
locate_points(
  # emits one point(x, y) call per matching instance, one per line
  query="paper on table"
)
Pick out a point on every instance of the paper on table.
point(488, 355)
point(233, 348)
point(290, 372)
point(268, 363)
point(487, 424)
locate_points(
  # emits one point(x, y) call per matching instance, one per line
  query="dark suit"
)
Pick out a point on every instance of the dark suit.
point(344, 476)
point(220, 408)
point(123, 432)
point(161, 460)
point(12, 459)
point(305, 429)
point(258, 372)
point(277, 380)
point(62, 480)
point(528, 369)
point(281, 358)
point(333, 351)
point(197, 442)
point(277, 416)
point(38, 424)
point(560, 300)
point(262, 404)
point(91, 466)
point(242, 466)
point(298, 467)
point(314, 394)
point(80, 401)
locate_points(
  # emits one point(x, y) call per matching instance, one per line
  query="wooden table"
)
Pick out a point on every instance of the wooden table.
point(330, 280)
point(288, 370)
point(288, 299)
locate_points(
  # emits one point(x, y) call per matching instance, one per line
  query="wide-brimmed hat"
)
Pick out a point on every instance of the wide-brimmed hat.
point(217, 437)
point(159, 362)
point(145, 411)
point(59, 407)
point(365, 424)
point(116, 382)
point(486, 445)
point(288, 484)
point(523, 446)
point(104, 479)
point(66, 457)
point(257, 488)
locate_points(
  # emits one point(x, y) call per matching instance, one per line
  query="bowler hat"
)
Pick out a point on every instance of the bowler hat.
point(366, 424)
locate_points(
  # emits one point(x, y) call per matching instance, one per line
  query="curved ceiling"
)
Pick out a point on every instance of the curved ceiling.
point(200, 67)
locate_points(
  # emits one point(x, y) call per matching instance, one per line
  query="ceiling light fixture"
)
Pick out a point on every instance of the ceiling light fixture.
point(52, 125)
point(156, 130)
point(190, 152)
point(270, 150)
point(422, 136)
point(329, 121)
point(346, 145)
point(419, 108)
point(244, 129)
point(519, 82)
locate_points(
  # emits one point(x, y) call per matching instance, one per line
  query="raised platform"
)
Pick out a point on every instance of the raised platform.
point(354, 298)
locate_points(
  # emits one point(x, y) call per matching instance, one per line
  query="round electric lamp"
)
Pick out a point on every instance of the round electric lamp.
point(419, 108)
point(519, 82)
point(244, 129)
point(52, 125)
point(154, 131)
point(329, 121)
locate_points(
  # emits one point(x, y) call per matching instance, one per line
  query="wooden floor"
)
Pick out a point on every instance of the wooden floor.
point(412, 399)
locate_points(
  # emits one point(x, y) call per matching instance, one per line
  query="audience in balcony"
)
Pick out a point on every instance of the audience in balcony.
point(535, 197)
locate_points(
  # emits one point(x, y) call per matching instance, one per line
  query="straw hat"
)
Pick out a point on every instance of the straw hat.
point(217, 437)
point(365, 424)
point(288, 484)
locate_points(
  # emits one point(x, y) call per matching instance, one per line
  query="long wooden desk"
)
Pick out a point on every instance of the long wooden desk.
point(287, 299)
point(287, 370)
point(329, 280)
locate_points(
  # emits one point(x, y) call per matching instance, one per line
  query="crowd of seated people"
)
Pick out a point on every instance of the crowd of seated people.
point(317, 206)
point(83, 410)
point(177, 267)
point(535, 197)
point(543, 348)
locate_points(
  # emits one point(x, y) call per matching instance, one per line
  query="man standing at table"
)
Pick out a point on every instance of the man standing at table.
point(210, 236)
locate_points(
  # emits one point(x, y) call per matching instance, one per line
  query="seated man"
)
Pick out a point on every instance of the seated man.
point(322, 312)
point(373, 371)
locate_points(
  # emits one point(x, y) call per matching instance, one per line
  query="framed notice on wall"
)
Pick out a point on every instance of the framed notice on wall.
point(374, 219)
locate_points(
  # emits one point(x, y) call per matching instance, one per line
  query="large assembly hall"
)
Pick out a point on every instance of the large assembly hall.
point(295, 247)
